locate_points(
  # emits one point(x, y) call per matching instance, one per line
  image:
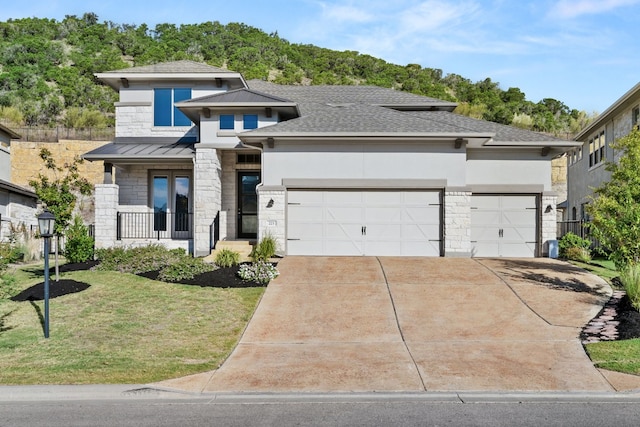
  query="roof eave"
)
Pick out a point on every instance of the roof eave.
point(608, 114)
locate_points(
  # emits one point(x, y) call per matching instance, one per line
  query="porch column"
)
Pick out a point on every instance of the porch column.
point(549, 220)
point(457, 222)
point(106, 210)
point(271, 214)
point(207, 191)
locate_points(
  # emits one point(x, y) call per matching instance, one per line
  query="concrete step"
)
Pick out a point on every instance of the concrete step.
point(243, 247)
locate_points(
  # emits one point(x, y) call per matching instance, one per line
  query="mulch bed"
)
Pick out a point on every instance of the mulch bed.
point(629, 319)
point(56, 289)
point(226, 277)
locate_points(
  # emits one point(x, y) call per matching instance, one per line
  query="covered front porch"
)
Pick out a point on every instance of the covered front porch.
point(183, 196)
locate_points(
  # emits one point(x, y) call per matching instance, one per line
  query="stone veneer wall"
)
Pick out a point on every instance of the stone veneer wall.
point(549, 220)
point(457, 223)
point(207, 188)
point(26, 163)
point(271, 219)
point(106, 209)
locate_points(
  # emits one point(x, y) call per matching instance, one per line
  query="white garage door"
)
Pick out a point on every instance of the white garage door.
point(354, 222)
point(504, 225)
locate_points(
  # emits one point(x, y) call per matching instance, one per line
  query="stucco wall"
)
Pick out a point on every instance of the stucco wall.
point(516, 167)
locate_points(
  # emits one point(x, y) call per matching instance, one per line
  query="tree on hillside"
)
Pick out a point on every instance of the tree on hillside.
point(57, 191)
point(615, 208)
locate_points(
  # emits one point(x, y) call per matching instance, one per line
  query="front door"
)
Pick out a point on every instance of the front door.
point(248, 204)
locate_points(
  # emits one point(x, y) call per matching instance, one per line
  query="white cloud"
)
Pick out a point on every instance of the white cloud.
point(573, 8)
point(342, 13)
point(434, 15)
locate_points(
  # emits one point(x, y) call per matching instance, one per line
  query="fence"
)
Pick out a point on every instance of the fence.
point(55, 134)
point(154, 225)
point(579, 228)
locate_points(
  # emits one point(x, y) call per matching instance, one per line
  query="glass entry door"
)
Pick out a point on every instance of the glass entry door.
point(248, 204)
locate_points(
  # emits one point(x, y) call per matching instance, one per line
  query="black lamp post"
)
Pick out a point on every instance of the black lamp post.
point(46, 224)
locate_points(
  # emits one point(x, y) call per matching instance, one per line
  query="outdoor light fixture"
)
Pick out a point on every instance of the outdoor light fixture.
point(270, 203)
point(46, 224)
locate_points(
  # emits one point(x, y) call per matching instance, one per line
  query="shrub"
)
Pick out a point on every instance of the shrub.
point(8, 287)
point(137, 259)
point(259, 272)
point(576, 253)
point(571, 245)
point(186, 268)
point(10, 252)
point(79, 245)
point(227, 258)
point(630, 278)
point(265, 249)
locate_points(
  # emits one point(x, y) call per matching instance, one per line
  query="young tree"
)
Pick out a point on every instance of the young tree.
point(57, 191)
point(615, 208)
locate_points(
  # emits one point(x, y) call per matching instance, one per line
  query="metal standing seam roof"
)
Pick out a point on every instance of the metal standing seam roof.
point(13, 188)
point(142, 150)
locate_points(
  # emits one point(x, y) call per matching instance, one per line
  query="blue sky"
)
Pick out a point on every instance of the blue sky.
point(585, 53)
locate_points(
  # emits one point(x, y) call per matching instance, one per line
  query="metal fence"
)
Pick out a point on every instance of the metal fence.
point(578, 227)
point(55, 134)
point(154, 225)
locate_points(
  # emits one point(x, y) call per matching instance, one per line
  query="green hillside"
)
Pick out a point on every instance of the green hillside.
point(47, 71)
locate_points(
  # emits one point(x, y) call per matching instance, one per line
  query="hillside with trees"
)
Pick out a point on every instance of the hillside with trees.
point(47, 71)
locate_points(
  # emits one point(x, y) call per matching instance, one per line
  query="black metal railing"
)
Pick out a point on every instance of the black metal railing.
point(154, 225)
point(578, 227)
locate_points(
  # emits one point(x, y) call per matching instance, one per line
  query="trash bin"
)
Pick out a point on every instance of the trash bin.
point(553, 249)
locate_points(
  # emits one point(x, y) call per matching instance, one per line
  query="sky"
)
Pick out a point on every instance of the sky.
point(585, 53)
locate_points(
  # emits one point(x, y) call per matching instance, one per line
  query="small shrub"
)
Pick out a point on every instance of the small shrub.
point(186, 268)
point(259, 272)
point(8, 285)
point(575, 253)
point(79, 245)
point(571, 246)
point(265, 249)
point(630, 278)
point(136, 260)
point(10, 253)
point(227, 258)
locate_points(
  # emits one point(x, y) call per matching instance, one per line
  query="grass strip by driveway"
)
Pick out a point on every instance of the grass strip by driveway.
point(620, 356)
point(122, 329)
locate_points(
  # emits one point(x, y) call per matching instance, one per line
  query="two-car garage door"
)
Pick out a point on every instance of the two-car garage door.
point(364, 222)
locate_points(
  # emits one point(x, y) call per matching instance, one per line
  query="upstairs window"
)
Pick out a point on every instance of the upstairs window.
point(165, 112)
point(635, 117)
point(250, 121)
point(596, 149)
point(227, 122)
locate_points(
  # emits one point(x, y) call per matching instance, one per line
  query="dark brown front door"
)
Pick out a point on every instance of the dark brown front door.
point(248, 204)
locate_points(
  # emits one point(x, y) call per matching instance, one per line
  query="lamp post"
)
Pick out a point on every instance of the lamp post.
point(46, 224)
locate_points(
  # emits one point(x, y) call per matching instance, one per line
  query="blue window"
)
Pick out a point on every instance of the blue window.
point(250, 121)
point(164, 111)
point(227, 121)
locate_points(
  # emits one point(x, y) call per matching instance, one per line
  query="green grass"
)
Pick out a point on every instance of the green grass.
point(600, 267)
point(619, 356)
point(123, 329)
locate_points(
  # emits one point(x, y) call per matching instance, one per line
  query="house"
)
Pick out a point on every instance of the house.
point(586, 169)
point(17, 204)
point(201, 155)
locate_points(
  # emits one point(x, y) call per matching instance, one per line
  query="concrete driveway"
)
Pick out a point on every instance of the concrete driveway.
point(362, 324)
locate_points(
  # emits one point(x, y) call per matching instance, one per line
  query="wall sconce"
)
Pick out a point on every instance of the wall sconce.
point(548, 209)
point(270, 203)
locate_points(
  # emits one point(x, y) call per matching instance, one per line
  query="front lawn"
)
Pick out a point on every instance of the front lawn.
point(122, 329)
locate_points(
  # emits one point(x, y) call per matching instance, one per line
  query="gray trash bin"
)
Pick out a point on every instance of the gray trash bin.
point(553, 249)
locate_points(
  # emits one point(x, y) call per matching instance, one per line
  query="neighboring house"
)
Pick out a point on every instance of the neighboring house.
point(201, 155)
point(586, 169)
point(17, 204)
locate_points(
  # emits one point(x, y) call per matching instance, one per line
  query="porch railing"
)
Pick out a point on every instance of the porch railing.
point(154, 225)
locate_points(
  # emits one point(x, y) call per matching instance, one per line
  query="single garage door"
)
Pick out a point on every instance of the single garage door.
point(378, 223)
point(504, 225)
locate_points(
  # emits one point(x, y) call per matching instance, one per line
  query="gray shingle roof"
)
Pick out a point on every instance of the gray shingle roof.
point(502, 132)
point(172, 67)
point(239, 96)
point(372, 95)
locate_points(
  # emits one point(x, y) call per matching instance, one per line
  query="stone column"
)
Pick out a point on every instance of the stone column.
point(271, 214)
point(457, 222)
point(549, 220)
point(207, 202)
point(106, 211)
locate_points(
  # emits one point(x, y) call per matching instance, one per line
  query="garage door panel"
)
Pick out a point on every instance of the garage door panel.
point(504, 225)
point(346, 222)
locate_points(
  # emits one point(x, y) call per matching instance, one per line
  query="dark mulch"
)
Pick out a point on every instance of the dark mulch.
point(56, 289)
point(629, 319)
point(226, 277)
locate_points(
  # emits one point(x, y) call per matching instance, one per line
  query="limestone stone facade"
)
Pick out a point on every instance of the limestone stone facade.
point(457, 223)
